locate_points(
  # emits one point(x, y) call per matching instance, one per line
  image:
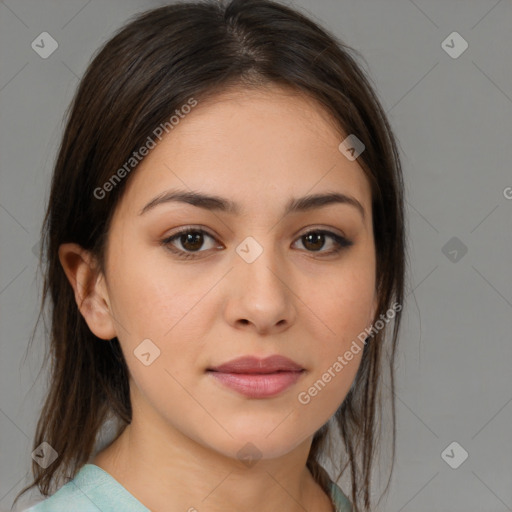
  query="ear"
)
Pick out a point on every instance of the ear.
point(90, 289)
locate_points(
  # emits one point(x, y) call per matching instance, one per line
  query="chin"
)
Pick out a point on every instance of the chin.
point(252, 444)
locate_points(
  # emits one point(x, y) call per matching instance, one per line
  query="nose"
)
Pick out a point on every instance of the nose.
point(261, 298)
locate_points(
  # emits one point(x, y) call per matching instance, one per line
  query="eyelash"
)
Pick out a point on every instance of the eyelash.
point(340, 242)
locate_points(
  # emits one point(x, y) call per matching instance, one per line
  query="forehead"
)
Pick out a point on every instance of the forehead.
point(243, 121)
point(268, 143)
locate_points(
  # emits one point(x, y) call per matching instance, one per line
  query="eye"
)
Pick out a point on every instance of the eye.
point(315, 240)
point(192, 240)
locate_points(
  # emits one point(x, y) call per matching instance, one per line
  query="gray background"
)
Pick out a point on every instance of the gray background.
point(453, 118)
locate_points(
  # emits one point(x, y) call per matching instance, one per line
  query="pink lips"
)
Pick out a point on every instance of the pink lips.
point(258, 378)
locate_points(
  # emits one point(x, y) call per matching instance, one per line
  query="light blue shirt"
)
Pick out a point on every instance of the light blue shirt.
point(95, 490)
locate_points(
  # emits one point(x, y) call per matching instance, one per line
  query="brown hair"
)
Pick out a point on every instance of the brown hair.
point(151, 67)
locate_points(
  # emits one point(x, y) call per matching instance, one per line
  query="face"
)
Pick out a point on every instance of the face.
point(251, 280)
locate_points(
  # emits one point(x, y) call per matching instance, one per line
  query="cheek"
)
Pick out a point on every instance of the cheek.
point(344, 306)
point(348, 311)
point(344, 302)
point(337, 354)
point(154, 299)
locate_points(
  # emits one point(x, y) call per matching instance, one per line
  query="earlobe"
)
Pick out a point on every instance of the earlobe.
point(88, 284)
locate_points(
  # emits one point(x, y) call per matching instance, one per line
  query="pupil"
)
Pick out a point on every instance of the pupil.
point(319, 237)
point(189, 238)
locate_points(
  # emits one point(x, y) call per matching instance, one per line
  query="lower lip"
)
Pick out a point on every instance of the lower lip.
point(258, 385)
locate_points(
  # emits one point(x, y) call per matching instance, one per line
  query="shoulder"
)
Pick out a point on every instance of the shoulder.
point(341, 502)
point(91, 490)
point(69, 496)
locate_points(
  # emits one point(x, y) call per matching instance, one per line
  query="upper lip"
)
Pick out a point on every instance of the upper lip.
point(251, 364)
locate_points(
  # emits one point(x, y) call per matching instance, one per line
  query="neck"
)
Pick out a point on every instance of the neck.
point(164, 469)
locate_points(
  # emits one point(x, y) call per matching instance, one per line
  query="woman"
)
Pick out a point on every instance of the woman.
point(225, 258)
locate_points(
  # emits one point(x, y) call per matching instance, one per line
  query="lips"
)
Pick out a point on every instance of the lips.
point(258, 378)
point(251, 365)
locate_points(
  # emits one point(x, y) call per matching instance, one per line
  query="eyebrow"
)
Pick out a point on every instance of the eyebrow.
point(216, 203)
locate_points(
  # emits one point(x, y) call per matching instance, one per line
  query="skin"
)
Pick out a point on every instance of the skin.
point(258, 147)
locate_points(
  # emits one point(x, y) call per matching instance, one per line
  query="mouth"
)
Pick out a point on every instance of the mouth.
point(258, 378)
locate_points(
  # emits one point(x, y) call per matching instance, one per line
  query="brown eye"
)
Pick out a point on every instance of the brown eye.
point(315, 240)
point(191, 241)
